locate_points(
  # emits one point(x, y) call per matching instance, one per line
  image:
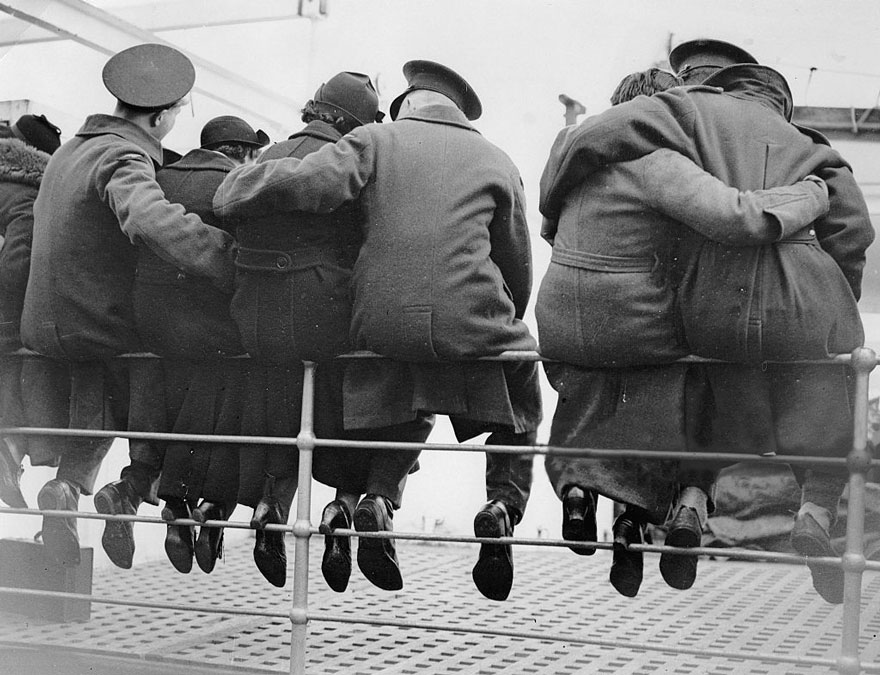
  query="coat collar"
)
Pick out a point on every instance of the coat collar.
point(21, 163)
point(320, 130)
point(439, 113)
point(203, 160)
point(101, 125)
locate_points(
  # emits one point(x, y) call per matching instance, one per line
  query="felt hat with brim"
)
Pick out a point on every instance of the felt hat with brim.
point(149, 76)
point(437, 77)
point(742, 72)
point(350, 95)
point(697, 53)
point(229, 129)
point(37, 131)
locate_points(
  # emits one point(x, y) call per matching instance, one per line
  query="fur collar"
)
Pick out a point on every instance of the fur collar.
point(21, 163)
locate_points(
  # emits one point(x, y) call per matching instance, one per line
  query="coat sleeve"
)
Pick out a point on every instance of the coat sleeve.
point(128, 185)
point(846, 231)
point(675, 186)
point(320, 183)
point(621, 133)
point(511, 245)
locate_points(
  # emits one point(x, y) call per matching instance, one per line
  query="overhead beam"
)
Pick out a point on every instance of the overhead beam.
point(841, 123)
point(165, 16)
point(106, 33)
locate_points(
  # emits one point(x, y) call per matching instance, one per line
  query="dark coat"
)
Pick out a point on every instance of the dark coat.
point(179, 314)
point(98, 198)
point(608, 298)
point(21, 170)
point(293, 282)
point(444, 272)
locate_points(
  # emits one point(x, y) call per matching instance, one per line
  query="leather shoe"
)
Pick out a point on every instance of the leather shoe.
point(178, 538)
point(209, 546)
point(493, 573)
point(59, 534)
point(10, 479)
point(627, 566)
point(269, 552)
point(680, 571)
point(811, 540)
point(377, 558)
point(336, 563)
point(579, 518)
point(114, 499)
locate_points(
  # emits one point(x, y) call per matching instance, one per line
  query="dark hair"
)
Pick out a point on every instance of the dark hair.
point(310, 113)
point(237, 151)
point(644, 83)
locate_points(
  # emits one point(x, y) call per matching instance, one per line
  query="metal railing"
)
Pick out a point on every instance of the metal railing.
point(853, 561)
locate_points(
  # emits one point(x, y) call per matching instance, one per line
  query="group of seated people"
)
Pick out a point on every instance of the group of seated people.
point(692, 217)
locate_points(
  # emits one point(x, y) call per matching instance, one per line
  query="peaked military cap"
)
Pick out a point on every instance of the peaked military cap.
point(150, 76)
point(230, 129)
point(705, 52)
point(350, 95)
point(436, 77)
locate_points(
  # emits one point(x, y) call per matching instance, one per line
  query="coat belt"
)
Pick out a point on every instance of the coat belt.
point(601, 263)
point(283, 262)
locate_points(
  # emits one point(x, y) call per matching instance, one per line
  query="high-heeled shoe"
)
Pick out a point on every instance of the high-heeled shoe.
point(179, 539)
point(209, 546)
point(336, 563)
point(269, 552)
point(627, 567)
point(579, 518)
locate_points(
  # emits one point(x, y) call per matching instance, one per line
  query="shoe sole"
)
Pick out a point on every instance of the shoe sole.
point(828, 581)
point(60, 543)
point(680, 571)
point(118, 537)
point(336, 563)
point(493, 573)
point(180, 555)
point(373, 559)
point(271, 560)
point(626, 577)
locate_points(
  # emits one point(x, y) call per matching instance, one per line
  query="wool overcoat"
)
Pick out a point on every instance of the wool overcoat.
point(444, 272)
point(741, 136)
point(99, 197)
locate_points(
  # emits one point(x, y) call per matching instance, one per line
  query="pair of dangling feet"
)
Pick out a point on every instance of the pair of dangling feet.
point(684, 531)
point(181, 543)
point(376, 557)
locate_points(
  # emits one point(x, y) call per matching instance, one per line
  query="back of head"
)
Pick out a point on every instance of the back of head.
point(37, 131)
point(695, 60)
point(347, 100)
point(643, 83)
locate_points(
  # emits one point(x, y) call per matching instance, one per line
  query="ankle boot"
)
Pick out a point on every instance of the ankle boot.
point(627, 567)
point(579, 518)
point(209, 546)
point(178, 538)
point(269, 551)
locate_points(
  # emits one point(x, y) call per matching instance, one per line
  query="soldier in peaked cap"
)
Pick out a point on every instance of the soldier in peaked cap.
point(695, 60)
point(443, 274)
point(98, 199)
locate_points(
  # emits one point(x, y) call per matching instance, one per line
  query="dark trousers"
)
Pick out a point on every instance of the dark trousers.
point(509, 476)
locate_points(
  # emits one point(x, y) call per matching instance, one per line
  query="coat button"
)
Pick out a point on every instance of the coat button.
point(281, 262)
point(812, 233)
point(181, 276)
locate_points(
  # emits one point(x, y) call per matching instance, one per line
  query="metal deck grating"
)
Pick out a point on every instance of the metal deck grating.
point(738, 606)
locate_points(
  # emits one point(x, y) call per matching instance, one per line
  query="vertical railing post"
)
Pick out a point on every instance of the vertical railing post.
point(302, 526)
point(858, 463)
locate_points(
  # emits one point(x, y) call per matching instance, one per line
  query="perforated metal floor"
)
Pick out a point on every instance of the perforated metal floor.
point(738, 606)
